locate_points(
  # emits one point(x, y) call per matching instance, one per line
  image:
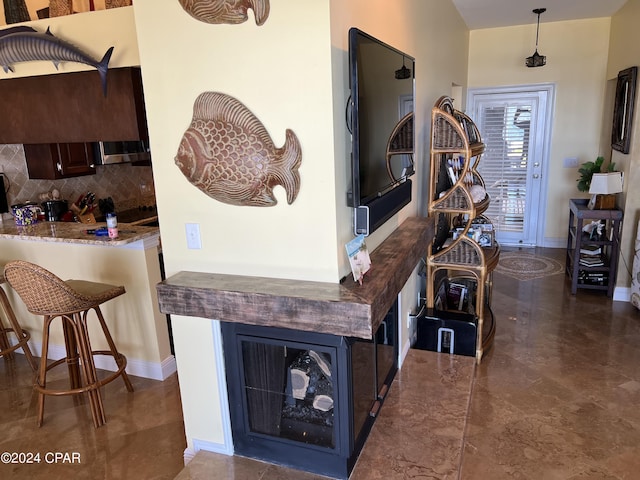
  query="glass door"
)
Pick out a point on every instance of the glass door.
point(514, 126)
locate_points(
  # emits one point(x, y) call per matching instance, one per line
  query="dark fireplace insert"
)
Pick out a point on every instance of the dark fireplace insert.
point(306, 400)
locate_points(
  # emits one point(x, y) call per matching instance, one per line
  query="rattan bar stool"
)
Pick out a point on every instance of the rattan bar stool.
point(14, 327)
point(45, 294)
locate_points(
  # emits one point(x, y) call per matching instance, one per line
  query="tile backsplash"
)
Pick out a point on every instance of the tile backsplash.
point(127, 185)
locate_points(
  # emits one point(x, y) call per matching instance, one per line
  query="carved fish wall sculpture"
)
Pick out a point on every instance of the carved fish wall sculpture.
point(24, 44)
point(227, 153)
point(226, 11)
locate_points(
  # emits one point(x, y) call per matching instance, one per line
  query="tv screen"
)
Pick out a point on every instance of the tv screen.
point(382, 89)
point(381, 124)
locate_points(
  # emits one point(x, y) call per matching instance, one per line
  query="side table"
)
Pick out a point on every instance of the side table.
point(600, 273)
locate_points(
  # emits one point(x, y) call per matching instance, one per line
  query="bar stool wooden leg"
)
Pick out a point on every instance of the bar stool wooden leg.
point(119, 358)
point(89, 369)
point(17, 329)
point(42, 372)
point(4, 340)
point(71, 346)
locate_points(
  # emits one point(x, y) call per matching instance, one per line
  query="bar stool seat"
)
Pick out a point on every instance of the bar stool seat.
point(46, 294)
point(23, 336)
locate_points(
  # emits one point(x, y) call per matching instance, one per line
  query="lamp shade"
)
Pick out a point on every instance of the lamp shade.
point(606, 183)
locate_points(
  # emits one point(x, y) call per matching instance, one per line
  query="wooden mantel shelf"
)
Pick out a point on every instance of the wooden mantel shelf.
point(346, 309)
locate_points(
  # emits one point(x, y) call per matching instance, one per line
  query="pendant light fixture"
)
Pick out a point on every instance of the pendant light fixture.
point(537, 60)
point(403, 73)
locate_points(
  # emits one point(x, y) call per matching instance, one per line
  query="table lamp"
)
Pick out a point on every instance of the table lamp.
point(603, 188)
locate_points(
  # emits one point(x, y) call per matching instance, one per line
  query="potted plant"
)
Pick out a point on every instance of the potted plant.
point(588, 169)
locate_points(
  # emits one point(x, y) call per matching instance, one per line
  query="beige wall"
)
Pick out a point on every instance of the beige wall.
point(281, 72)
point(625, 53)
point(434, 34)
point(577, 64)
point(291, 73)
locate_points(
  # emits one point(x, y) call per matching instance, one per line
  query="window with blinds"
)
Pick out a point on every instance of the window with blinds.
point(505, 131)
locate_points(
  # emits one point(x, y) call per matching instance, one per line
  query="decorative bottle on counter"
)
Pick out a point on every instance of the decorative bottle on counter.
point(112, 225)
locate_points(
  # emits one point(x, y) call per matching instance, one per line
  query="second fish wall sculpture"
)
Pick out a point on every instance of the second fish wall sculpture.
point(226, 11)
point(228, 154)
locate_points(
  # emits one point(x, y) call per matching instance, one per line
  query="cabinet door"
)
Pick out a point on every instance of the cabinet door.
point(78, 111)
point(52, 161)
point(75, 159)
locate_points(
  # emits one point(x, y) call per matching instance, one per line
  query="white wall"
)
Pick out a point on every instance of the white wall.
point(576, 54)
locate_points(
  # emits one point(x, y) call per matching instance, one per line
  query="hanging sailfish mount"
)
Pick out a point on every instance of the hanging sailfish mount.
point(25, 44)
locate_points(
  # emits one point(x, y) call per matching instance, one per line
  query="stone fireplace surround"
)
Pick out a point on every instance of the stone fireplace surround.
point(344, 309)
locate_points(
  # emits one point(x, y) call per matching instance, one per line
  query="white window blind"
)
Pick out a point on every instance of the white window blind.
point(505, 131)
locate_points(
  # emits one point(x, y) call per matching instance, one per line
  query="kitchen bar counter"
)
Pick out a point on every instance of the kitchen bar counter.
point(71, 232)
point(138, 327)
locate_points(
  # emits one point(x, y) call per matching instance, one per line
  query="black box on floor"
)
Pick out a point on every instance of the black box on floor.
point(446, 331)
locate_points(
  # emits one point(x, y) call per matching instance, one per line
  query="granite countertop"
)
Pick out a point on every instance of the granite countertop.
point(75, 233)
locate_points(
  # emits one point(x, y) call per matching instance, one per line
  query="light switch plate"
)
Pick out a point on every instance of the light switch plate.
point(193, 236)
point(570, 162)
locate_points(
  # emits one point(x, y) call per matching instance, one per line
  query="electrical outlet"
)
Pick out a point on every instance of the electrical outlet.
point(411, 327)
point(193, 236)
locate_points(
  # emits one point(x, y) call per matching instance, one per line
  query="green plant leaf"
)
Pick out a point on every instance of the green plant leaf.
point(599, 162)
point(586, 172)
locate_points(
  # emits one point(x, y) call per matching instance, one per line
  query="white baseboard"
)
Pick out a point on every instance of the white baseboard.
point(622, 294)
point(198, 445)
point(139, 368)
point(404, 353)
point(188, 455)
point(551, 242)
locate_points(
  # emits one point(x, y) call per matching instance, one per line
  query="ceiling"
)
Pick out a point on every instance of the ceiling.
point(503, 13)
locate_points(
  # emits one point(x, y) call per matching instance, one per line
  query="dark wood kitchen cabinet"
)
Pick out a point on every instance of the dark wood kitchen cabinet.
point(52, 161)
point(71, 107)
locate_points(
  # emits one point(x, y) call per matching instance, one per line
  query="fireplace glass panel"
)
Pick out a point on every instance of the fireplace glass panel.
point(363, 381)
point(387, 348)
point(289, 391)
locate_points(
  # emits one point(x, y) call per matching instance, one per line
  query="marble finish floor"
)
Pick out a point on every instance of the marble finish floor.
point(555, 398)
point(142, 439)
point(558, 396)
point(417, 434)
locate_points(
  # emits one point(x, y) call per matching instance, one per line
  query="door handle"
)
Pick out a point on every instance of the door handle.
point(535, 175)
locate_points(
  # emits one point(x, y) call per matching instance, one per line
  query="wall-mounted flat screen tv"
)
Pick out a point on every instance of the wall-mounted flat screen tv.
point(382, 90)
